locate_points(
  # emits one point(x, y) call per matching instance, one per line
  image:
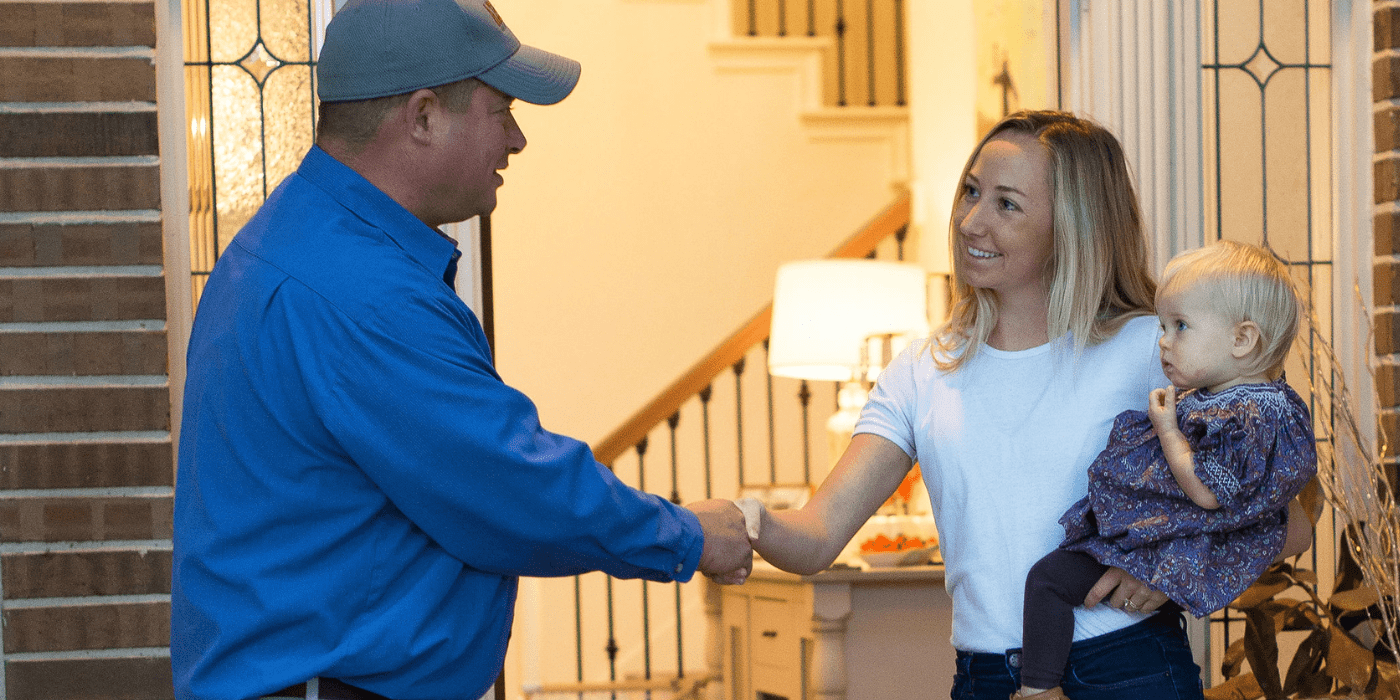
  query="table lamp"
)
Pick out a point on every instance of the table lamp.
point(840, 320)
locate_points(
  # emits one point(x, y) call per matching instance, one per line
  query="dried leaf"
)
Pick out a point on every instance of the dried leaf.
point(1311, 498)
point(1261, 592)
point(1355, 599)
point(1302, 617)
point(1261, 648)
point(1348, 662)
point(1241, 687)
point(1307, 576)
point(1388, 683)
point(1233, 659)
point(1306, 668)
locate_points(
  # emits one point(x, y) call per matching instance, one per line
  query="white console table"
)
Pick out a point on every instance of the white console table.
point(864, 635)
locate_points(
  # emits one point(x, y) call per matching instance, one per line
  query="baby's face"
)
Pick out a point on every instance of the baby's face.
point(1197, 342)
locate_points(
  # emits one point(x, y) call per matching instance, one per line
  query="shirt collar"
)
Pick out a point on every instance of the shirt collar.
point(426, 245)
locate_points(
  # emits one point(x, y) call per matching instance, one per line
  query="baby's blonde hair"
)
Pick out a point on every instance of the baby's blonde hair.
point(1246, 283)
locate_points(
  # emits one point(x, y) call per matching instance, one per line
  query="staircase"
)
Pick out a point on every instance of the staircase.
point(85, 455)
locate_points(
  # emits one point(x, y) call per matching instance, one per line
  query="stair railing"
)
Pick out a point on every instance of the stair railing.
point(603, 620)
point(869, 65)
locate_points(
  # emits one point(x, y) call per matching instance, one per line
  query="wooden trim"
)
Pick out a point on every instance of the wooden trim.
point(702, 373)
point(682, 686)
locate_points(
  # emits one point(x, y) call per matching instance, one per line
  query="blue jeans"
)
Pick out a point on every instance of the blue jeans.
point(1150, 660)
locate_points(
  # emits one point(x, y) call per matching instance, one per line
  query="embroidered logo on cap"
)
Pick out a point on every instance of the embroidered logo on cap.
point(495, 15)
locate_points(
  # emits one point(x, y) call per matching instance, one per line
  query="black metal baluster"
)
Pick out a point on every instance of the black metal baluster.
point(870, 49)
point(612, 647)
point(672, 422)
point(705, 437)
point(739, 415)
point(753, 17)
point(840, 53)
point(804, 395)
point(646, 602)
point(578, 629)
point(782, 17)
point(899, 237)
point(811, 17)
point(772, 442)
point(899, 76)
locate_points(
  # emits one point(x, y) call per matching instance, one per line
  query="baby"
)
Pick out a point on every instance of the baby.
point(1192, 496)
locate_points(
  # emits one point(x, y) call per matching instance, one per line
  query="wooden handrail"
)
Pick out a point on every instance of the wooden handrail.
point(737, 345)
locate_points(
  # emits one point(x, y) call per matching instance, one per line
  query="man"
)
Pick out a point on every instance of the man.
point(358, 490)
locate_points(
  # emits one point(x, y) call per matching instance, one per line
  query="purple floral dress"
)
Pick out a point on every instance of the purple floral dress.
point(1254, 450)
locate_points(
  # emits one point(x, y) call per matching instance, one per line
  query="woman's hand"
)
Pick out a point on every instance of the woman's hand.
point(1121, 590)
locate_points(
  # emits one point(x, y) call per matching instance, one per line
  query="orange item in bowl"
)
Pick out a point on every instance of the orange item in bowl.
point(900, 543)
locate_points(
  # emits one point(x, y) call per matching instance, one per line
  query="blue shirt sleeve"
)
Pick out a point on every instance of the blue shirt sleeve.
point(412, 397)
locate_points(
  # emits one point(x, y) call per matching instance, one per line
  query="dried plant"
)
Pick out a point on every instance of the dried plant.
point(1350, 648)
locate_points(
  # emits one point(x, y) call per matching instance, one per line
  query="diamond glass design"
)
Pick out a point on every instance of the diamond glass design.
point(259, 63)
point(1261, 66)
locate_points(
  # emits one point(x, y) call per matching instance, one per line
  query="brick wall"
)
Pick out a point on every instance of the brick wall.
point(1386, 93)
point(85, 454)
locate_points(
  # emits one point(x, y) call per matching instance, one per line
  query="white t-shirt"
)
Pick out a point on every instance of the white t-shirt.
point(1005, 443)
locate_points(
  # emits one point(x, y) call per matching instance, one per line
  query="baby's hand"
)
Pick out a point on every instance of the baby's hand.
point(1161, 409)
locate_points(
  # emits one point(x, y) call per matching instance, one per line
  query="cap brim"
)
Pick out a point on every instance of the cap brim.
point(535, 76)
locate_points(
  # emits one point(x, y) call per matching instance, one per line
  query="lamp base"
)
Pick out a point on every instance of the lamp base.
point(842, 424)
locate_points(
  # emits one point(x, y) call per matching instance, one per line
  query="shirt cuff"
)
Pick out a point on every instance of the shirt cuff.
point(684, 570)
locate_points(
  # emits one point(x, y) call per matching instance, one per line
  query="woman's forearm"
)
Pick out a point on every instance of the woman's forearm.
point(808, 540)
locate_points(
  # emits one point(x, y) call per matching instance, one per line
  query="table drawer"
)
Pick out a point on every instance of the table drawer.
point(776, 633)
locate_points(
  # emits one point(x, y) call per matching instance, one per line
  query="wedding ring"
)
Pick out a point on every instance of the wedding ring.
point(1129, 605)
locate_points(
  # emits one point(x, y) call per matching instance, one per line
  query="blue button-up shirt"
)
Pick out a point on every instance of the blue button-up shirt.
point(358, 490)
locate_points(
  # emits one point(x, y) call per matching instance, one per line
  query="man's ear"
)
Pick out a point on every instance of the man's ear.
point(421, 115)
point(1247, 339)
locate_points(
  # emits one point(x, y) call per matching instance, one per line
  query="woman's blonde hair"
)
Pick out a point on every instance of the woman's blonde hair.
point(1099, 274)
point(1244, 283)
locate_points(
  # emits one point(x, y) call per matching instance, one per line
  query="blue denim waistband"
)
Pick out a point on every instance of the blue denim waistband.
point(1011, 658)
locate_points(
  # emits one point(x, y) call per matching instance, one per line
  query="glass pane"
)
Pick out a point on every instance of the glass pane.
point(235, 24)
point(201, 169)
point(284, 29)
point(1286, 165)
point(196, 22)
point(1239, 187)
point(287, 120)
point(1240, 37)
point(238, 150)
point(1284, 29)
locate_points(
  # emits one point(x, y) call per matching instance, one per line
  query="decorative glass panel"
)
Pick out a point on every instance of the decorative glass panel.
point(251, 109)
point(1266, 87)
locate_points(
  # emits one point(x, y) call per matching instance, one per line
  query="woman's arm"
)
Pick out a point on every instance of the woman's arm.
point(1161, 409)
point(808, 540)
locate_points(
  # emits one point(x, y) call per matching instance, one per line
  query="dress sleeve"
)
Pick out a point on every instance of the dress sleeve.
point(416, 403)
point(1255, 455)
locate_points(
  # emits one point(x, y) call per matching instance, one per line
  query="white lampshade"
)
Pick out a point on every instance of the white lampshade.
point(824, 311)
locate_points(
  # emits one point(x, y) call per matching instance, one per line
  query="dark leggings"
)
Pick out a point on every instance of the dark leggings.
point(1054, 587)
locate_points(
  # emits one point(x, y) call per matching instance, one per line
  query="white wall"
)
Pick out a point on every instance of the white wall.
point(648, 215)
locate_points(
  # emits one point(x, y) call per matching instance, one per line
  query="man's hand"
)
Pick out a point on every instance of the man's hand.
point(1127, 592)
point(728, 556)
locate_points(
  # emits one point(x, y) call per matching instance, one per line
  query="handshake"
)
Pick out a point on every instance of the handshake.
point(731, 528)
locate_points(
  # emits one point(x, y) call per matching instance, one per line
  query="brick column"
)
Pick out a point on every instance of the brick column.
point(85, 451)
point(1386, 93)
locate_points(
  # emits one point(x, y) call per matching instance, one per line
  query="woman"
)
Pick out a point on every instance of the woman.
point(1051, 335)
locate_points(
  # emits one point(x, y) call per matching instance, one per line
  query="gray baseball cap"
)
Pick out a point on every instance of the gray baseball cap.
point(378, 48)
